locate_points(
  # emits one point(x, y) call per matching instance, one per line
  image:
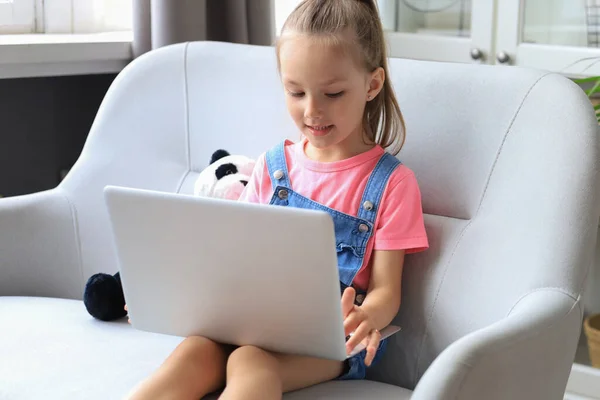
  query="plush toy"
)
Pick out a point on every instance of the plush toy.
point(224, 178)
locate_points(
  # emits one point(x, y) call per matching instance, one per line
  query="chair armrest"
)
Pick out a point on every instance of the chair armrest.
point(527, 355)
point(39, 251)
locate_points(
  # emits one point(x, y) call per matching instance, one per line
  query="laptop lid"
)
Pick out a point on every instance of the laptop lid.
point(237, 273)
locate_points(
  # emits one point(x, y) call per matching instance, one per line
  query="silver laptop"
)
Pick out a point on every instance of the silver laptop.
point(237, 273)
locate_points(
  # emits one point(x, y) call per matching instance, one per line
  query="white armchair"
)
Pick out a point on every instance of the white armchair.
point(507, 160)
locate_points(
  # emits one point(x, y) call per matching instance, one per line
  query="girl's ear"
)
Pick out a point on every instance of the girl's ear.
point(376, 80)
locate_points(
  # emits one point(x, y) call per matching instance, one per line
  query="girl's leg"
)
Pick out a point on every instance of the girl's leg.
point(195, 368)
point(298, 372)
point(253, 373)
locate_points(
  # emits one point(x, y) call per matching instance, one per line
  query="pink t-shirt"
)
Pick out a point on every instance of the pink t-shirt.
point(340, 185)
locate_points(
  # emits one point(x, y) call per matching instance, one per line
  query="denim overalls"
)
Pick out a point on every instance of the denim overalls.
point(351, 232)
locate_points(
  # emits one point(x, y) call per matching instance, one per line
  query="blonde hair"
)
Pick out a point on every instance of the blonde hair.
point(383, 122)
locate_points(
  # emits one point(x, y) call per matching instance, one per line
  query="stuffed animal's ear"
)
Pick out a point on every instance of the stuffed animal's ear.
point(217, 155)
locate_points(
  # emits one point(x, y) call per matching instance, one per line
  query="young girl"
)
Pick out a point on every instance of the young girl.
point(332, 62)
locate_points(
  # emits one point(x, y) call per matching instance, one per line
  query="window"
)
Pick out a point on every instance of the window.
point(65, 16)
point(17, 16)
point(64, 37)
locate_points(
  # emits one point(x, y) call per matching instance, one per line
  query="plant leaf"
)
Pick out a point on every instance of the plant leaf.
point(594, 89)
point(586, 80)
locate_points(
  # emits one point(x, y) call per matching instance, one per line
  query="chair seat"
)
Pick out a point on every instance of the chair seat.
point(346, 390)
point(351, 390)
point(58, 351)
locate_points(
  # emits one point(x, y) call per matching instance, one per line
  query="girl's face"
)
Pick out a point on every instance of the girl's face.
point(326, 93)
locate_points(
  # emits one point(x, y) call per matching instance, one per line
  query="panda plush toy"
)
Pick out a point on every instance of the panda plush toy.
point(224, 178)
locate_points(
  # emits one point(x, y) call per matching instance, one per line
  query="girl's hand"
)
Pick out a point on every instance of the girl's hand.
point(356, 320)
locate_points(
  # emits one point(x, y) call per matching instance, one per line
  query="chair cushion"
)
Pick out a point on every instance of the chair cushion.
point(58, 351)
point(346, 390)
point(349, 390)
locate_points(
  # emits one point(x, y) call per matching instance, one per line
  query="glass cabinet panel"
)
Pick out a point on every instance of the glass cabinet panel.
point(427, 17)
point(561, 22)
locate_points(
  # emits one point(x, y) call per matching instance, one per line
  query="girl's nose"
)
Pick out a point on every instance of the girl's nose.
point(313, 108)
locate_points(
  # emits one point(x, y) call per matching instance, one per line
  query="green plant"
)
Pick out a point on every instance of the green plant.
point(594, 82)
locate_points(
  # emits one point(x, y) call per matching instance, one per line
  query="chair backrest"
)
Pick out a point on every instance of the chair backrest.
point(505, 158)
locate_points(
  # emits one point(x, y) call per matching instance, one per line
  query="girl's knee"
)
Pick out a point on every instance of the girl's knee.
point(198, 344)
point(201, 350)
point(251, 358)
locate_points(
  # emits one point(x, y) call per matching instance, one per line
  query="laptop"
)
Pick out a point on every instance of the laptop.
point(236, 273)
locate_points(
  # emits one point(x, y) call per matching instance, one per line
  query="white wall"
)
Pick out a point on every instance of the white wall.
point(283, 8)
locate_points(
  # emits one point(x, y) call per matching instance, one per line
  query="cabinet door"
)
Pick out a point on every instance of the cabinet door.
point(441, 30)
point(555, 35)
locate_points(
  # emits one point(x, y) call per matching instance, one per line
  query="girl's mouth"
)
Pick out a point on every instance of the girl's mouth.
point(320, 130)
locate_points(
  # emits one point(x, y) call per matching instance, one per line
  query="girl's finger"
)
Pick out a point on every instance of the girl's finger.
point(352, 321)
point(348, 301)
point(359, 335)
point(372, 345)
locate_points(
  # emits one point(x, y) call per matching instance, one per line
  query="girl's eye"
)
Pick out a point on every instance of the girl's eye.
point(296, 94)
point(334, 95)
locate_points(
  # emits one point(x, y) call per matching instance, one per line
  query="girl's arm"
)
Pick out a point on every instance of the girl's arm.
point(383, 296)
point(381, 303)
point(400, 229)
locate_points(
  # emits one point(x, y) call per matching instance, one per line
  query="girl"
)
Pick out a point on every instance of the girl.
point(332, 61)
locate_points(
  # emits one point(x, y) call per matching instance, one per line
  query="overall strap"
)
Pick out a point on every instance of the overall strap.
point(371, 199)
point(277, 166)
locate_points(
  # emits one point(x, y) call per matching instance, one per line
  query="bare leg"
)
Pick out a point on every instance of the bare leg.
point(298, 372)
point(195, 368)
point(253, 373)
